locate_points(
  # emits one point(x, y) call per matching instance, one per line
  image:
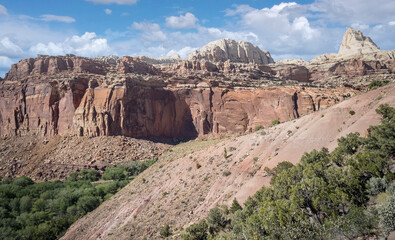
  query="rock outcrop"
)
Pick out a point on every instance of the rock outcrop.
point(235, 51)
point(355, 43)
point(226, 87)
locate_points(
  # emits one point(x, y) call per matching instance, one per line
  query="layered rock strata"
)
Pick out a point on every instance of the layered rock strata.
point(226, 87)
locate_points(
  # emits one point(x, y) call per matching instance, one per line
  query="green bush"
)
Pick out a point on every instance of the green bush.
point(275, 122)
point(376, 84)
point(391, 188)
point(259, 127)
point(165, 231)
point(197, 231)
point(376, 185)
point(226, 173)
point(114, 173)
point(387, 216)
point(352, 112)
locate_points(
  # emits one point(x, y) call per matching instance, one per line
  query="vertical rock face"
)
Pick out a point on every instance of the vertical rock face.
point(235, 51)
point(133, 110)
point(41, 108)
point(355, 43)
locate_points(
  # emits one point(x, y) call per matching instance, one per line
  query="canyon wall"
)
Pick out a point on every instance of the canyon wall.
point(85, 105)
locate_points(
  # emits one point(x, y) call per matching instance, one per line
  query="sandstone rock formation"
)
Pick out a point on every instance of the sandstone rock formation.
point(355, 43)
point(226, 87)
point(235, 51)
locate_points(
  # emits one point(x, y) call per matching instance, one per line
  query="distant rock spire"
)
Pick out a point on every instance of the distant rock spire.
point(355, 43)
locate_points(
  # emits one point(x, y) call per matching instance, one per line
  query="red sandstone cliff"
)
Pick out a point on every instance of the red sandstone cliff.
point(120, 103)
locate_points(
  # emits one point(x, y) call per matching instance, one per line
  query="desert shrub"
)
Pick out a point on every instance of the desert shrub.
point(231, 149)
point(376, 185)
point(259, 127)
point(198, 165)
point(226, 173)
point(387, 216)
point(225, 153)
point(165, 231)
point(376, 84)
point(391, 188)
point(351, 112)
point(275, 122)
point(197, 231)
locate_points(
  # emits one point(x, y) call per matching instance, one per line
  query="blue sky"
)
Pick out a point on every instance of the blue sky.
point(160, 28)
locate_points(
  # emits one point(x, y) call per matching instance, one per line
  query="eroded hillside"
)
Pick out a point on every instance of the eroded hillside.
point(181, 190)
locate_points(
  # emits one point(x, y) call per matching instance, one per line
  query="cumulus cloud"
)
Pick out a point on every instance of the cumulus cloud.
point(121, 2)
point(50, 18)
point(85, 45)
point(108, 11)
point(183, 21)
point(355, 11)
point(282, 29)
point(3, 10)
point(151, 31)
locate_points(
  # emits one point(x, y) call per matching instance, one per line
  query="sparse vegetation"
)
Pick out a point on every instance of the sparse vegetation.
point(376, 84)
point(259, 127)
point(352, 112)
point(275, 122)
point(165, 231)
point(198, 165)
point(225, 153)
point(226, 173)
point(327, 195)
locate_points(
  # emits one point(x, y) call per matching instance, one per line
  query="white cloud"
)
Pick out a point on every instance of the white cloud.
point(183, 21)
point(392, 23)
point(183, 52)
point(355, 11)
point(108, 11)
point(50, 18)
point(9, 48)
point(86, 45)
point(121, 2)
point(5, 62)
point(3, 10)
point(151, 32)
